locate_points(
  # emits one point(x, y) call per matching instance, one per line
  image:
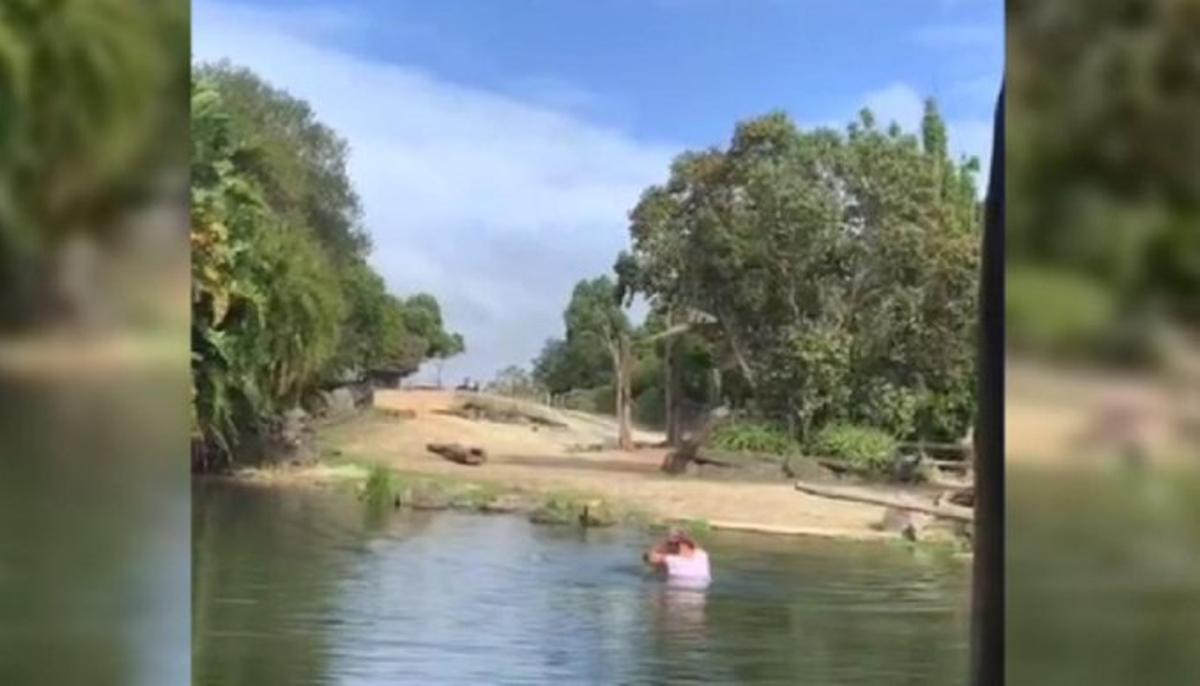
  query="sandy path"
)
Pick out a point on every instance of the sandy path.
point(541, 459)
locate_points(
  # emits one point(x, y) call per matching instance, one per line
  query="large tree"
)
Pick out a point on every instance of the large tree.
point(839, 269)
point(299, 162)
point(594, 316)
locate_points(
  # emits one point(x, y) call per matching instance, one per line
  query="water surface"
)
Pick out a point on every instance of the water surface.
point(309, 587)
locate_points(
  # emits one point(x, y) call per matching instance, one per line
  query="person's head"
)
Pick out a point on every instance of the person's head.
point(680, 542)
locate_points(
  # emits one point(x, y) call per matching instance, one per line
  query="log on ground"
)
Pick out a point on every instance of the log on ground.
point(458, 453)
point(964, 497)
point(945, 512)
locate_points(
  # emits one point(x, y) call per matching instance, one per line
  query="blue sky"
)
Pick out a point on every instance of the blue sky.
point(498, 145)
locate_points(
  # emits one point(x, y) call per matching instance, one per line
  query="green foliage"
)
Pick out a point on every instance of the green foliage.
point(583, 362)
point(382, 486)
point(841, 269)
point(649, 406)
point(880, 403)
point(374, 335)
point(602, 399)
point(1100, 148)
point(422, 317)
point(594, 316)
point(753, 438)
point(863, 447)
point(1052, 312)
point(266, 305)
point(89, 92)
point(515, 381)
point(299, 163)
point(597, 337)
point(282, 297)
point(827, 277)
point(299, 166)
point(558, 509)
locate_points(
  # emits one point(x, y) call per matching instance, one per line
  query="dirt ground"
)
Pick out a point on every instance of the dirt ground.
point(1057, 416)
point(547, 458)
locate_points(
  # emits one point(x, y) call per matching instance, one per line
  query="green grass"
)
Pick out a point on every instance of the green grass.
point(381, 487)
point(752, 437)
point(566, 507)
point(866, 448)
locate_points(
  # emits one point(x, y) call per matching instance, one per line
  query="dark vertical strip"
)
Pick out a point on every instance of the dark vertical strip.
point(987, 606)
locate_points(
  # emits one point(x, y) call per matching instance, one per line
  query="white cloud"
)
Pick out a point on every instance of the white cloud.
point(898, 103)
point(901, 103)
point(495, 205)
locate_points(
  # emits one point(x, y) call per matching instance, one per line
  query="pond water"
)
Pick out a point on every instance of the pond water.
point(311, 587)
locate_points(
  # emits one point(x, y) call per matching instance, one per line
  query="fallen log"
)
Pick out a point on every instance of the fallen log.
point(964, 497)
point(957, 514)
point(951, 465)
point(461, 454)
point(949, 484)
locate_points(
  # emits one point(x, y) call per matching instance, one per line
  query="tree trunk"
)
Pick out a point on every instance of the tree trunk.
point(625, 418)
point(619, 348)
point(676, 461)
point(671, 392)
point(735, 346)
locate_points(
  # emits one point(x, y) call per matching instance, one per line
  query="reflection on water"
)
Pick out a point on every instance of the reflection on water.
point(681, 611)
point(1103, 576)
point(307, 588)
point(93, 530)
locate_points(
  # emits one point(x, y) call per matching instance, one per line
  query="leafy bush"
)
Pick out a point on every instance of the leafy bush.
point(381, 486)
point(602, 400)
point(863, 447)
point(884, 404)
point(1056, 313)
point(946, 417)
point(649, 408)
point(753, 438)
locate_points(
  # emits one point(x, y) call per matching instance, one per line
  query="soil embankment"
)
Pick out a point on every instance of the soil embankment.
point(536, 448)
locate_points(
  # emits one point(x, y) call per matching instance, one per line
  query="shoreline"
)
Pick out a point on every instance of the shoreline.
point(555, 466)
point(426, 491)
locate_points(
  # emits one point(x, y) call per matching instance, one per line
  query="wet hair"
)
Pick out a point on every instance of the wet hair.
point(678, 538)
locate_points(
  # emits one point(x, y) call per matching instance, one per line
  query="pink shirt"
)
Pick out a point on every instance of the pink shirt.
point(694, 568)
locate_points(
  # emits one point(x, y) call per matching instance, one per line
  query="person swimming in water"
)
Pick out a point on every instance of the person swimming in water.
point(681, 559)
